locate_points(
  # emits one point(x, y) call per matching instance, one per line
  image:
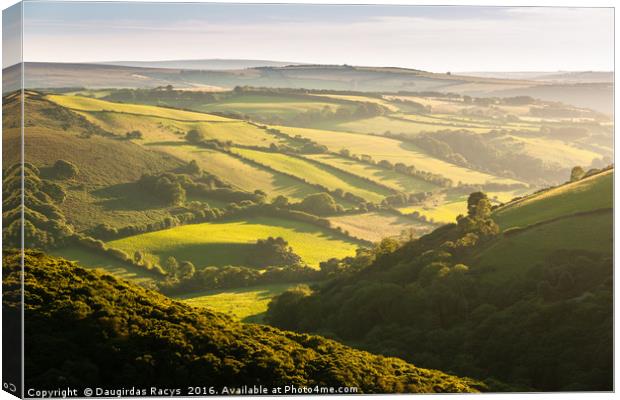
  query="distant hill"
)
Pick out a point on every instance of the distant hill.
point(538, 294)
point(88, 329)
point(550, 76)
point(334, 77)
point(208, 64)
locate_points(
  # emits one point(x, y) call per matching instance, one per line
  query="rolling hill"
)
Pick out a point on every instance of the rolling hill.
point(370, 79)
point(544, 285)
point(117, 326)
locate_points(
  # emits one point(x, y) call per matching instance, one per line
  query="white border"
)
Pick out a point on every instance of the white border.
point(550, 3)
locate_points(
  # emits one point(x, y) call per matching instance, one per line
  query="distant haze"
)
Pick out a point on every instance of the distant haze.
point(438, 39)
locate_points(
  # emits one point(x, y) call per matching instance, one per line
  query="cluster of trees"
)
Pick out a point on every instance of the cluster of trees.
point(123, 335)
point(299, 144)
point(479, 152)
point(321, 204)
point(274, 252)
point(63, 169)
point(165, 187)
point(547, 330)
point(135, 134)
point(403, 199)
point(44, 224)
point(399, 167)
point(197, 138)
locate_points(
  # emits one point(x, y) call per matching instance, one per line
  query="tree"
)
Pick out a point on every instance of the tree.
point(187, 270)
point(194, 136)
point(273, 252)
point(135, 134)
point(65, 169)
point(193, 168)
point(319, 204)
point(171, 265)
point(472, 203)
point(577, 173)
point(280, 201)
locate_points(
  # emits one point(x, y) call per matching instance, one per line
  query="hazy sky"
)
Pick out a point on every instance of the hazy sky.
point(430, 38)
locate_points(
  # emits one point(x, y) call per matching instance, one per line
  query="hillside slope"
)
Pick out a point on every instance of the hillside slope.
point(82, 328)
point(531, 307)
point(589, 194)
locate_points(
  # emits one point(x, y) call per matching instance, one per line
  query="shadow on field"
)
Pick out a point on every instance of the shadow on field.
point(211, 254)
point(125, 196)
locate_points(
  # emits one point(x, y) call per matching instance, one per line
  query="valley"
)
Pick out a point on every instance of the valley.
point(275, 205)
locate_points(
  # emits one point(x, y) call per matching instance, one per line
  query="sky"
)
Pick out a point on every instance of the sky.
point(439, 39)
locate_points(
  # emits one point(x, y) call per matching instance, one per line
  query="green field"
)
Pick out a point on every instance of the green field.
point(362, 99)
point(316, 174)
point(440, 209)
point(554, 151)
point(374, 226)
point(160, 129)
point(229, 243)
point(90, 104)
point(397, 181)
point(280, 106)
point(246, 304)
point(382, 148)
point(519, 252)
point(593, 193)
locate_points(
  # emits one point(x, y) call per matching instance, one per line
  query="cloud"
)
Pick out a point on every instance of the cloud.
point(533, 38)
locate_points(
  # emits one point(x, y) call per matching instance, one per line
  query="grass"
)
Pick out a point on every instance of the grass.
point(592, 193)
point(317, 174)
point(158, 129)
point(439, 208)
point(382, 148)
point(374, 226)
point(514, 255)
point(230, 243)
point(245, 304)
point(361, 99)
point(392, 179)
point(90, 104)
point(242, 174)
point(281, 106)
point(88, 259)
point(554, 151)
point(101, 161)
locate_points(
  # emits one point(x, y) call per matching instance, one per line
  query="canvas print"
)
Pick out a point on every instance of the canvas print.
point(207, 199)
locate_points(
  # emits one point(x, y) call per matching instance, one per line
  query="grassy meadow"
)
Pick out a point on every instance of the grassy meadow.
point(245, 304)
point(229, 242)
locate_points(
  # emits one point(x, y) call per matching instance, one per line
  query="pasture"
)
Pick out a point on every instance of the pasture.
point(512, 256)
point(395, 180)
point(374, 226)
point(245, 304)
point(592, 193)
point(317, 174)
point(230, 242)
point(91, 104)
point(395, 151)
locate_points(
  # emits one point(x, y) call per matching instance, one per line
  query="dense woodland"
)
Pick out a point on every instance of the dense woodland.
point(86, 329)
